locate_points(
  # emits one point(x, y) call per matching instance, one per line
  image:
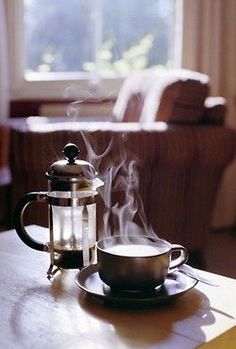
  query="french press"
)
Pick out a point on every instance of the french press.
point(71, 200)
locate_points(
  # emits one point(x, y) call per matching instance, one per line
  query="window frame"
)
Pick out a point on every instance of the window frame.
point(63, 85)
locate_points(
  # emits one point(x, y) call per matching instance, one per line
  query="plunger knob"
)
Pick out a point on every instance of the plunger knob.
point(71, 152)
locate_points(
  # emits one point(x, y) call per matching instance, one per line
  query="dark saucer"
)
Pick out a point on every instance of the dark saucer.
point(175, 285)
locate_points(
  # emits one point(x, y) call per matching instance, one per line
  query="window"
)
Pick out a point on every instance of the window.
point(92, 43)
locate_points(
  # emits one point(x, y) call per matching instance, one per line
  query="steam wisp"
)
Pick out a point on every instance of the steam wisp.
point(120, 194)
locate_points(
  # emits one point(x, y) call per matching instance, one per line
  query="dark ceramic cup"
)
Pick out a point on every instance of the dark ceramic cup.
point(137, 262)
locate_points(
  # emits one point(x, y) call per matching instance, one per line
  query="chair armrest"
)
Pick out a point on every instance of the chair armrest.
point(215, 110)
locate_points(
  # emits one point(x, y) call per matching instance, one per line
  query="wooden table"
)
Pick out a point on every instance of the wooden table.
point(35, 313)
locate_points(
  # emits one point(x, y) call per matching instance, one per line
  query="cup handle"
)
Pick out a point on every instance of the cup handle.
point(181, 259)
point(19, 223)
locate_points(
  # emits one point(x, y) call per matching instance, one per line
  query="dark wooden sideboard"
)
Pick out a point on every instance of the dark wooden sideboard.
point(31, 107)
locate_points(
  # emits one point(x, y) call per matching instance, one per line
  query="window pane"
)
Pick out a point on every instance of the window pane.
point(103, 36)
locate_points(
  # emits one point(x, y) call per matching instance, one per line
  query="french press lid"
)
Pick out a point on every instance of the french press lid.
point(71, 170)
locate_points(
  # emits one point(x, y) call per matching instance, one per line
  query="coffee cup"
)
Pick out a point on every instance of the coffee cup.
point(137, 262)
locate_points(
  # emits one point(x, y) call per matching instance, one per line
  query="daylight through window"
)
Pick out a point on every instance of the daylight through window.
point(105, 37)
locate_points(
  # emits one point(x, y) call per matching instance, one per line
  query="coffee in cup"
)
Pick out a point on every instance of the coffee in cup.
point(137, 262)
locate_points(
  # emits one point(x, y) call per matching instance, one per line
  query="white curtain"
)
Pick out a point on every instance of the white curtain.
point(4, 80)
point(209, 46)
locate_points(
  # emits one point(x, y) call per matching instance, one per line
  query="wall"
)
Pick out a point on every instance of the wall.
point(209, 46)
point(4, 83)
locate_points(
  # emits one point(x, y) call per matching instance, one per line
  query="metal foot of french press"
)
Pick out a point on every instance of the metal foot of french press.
point(52, 271)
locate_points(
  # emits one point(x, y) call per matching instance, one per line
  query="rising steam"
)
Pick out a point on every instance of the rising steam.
point(118, 169)
point(123, 205)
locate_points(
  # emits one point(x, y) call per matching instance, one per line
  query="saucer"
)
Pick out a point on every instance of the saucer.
point(175, 285)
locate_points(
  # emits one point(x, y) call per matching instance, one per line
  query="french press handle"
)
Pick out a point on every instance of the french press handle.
point(18, 220)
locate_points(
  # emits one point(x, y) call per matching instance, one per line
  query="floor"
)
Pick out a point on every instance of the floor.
point(220, 256)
